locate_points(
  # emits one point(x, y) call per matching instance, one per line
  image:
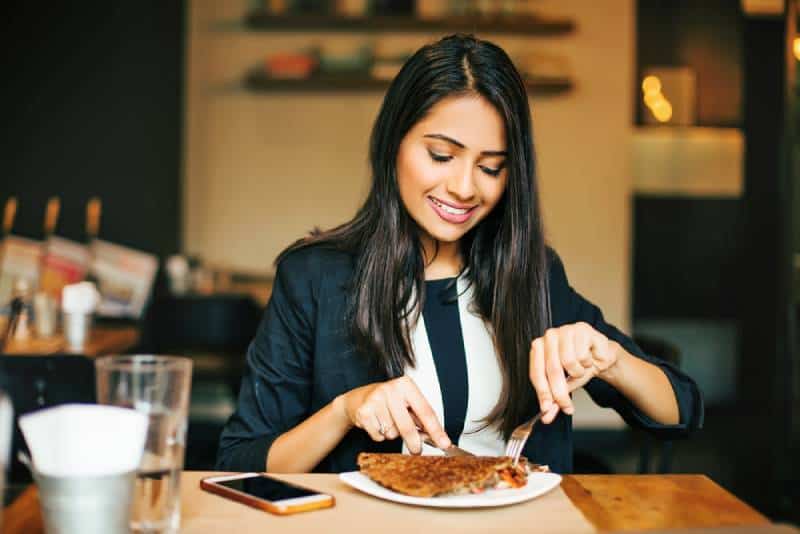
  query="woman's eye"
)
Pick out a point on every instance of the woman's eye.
point(490, 171)
point(439, 157)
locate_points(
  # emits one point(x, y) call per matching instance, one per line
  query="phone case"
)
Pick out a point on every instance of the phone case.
point(209, 484)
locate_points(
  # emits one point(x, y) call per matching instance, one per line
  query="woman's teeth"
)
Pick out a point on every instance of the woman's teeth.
point(450, 209)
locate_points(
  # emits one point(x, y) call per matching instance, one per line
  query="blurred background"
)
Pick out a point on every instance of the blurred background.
point(169, 150)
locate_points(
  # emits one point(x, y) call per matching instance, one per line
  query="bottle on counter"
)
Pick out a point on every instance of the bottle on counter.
point(22, 325)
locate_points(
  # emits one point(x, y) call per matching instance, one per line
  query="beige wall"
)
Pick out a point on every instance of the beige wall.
point(262, 169)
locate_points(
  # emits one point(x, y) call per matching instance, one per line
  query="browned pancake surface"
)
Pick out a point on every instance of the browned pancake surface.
point(428, 476)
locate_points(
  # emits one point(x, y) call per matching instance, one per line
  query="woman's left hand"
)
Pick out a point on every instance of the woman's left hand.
point(563, 360)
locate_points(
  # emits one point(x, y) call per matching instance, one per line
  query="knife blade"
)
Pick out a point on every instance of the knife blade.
point(452, 450)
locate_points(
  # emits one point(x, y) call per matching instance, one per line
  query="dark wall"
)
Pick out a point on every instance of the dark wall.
point(768, 352)
point(91, 103)
point(686, 261)
point(705, 35)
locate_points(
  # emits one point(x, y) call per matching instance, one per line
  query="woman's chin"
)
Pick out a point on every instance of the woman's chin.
point(449, 235)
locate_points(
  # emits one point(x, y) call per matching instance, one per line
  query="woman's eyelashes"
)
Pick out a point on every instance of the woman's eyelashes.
point(443, 158)
point(490, 171)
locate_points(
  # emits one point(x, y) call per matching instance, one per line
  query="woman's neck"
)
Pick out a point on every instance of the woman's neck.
point(442, 263)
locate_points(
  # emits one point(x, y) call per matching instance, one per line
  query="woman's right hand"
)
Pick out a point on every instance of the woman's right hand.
point(386, 410)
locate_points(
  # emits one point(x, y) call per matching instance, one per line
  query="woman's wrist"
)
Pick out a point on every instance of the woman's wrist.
point(339, 405)
point(644, 384)
point(615, 373)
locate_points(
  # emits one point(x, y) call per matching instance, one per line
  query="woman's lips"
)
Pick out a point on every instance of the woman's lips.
point(449, 213)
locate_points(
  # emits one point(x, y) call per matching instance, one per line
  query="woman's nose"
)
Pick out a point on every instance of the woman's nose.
point(461, 185)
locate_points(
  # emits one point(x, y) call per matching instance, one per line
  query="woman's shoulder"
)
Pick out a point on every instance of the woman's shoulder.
point(557, 282)
point(555, 267)
point(312, 260)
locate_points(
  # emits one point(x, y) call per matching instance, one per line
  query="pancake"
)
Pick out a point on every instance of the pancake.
point(431, 476)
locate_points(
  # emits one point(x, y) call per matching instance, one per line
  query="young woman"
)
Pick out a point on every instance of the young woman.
point(438, 307)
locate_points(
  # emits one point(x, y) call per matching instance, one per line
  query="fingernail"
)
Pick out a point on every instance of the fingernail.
point(569, 410)
point(445, 442)
point(546, 405)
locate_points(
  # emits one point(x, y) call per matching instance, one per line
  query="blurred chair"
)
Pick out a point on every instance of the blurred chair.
point(585, 463)
point(35, 382)
point(213, 330)
point(664, 350)
point(639, 442)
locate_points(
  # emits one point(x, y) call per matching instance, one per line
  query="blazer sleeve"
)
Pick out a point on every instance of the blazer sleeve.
point(568, 306)
point(275, 394)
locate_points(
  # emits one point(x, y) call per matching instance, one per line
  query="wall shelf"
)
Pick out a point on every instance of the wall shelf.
point(259, 81)
point(260, 20)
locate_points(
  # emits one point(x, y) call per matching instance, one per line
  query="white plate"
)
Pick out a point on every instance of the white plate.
point(538, 484)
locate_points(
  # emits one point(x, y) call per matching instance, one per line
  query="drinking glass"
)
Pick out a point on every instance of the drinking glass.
point(6, 422)
point(157, 386)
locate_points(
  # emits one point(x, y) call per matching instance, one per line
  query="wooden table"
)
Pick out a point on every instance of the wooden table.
point(609, 502)
point(103, 340)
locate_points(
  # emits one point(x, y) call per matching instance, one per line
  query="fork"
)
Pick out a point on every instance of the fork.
point(520, 436)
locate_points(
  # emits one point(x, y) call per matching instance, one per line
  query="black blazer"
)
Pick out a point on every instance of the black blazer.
point(302, 358)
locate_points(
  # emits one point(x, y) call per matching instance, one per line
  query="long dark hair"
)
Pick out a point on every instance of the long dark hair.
point(504, 255)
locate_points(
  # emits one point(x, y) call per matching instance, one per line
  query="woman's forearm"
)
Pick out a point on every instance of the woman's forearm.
point(645, 385)
point(300, 449)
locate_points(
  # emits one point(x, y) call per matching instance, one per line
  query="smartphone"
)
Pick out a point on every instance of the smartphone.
point(267, 493)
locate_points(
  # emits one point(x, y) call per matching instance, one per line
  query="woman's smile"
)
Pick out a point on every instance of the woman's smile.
point(456, 214)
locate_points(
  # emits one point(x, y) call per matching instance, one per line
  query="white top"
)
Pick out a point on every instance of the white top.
point(483, 374)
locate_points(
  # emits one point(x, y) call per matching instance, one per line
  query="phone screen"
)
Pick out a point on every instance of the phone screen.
point(269, 489)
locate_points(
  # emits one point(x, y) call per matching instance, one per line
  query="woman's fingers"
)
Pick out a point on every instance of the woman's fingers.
point(538, 374)
point(405, 425)
point(564, 359)
point(602, 352)
point(386, 422)
point(366, 419)
point(581, 338)
point(386, 413)
point(550, 414)
point(426, 416)
point(575, 383)
point(569, 356)
point(555, 372)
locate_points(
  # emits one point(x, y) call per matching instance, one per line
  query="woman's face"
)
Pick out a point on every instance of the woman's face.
point(451, 167)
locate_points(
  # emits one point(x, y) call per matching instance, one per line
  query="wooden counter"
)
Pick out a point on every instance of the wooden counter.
point(103, 340)
point(609, 502)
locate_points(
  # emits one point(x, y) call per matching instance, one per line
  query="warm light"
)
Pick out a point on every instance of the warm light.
point(796, 47)
point(655, 100)
point(651, 85)
point(662, 111)
point(650, 99)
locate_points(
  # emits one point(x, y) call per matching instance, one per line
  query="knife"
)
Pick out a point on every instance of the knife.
point(452, 450)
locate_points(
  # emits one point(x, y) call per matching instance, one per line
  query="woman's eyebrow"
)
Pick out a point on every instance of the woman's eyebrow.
point(461, 145)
